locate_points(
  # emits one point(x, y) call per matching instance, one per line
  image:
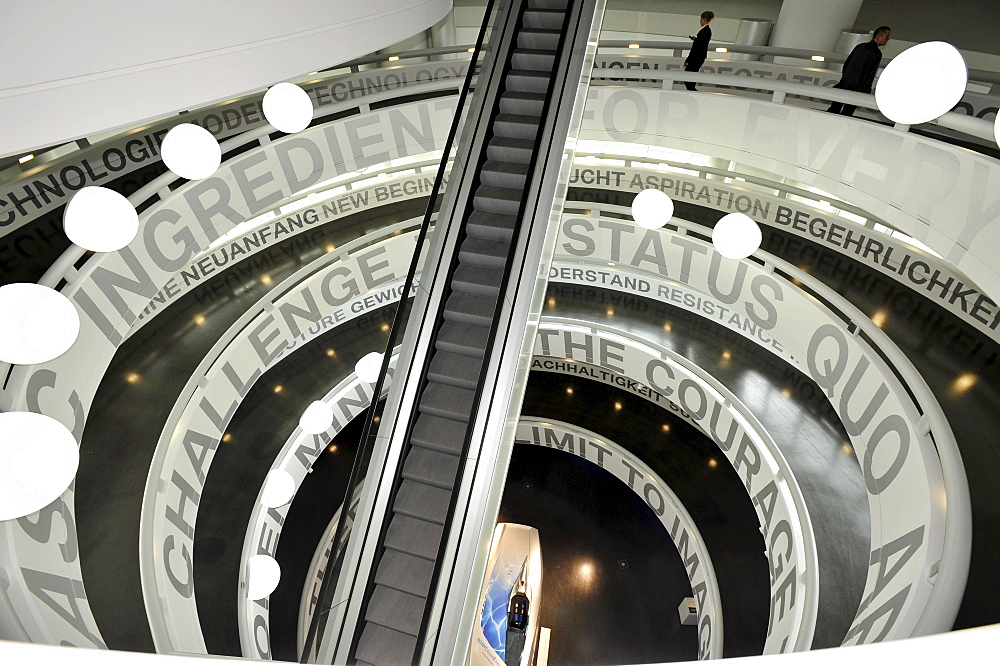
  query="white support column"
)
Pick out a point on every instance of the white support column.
point(443, 32)
point(813, 24)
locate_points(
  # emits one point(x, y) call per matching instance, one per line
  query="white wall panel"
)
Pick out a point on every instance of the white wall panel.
point(72, 71)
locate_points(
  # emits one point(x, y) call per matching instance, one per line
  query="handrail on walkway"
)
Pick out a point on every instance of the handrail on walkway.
point(679, 47)
point(961, 122)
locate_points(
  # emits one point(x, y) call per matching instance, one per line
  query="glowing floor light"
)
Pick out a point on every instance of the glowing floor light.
point(39, 323)
point(191, 152)
point(288, 107)
point(736, 236)
point(40, 458)
point(100, 220)
point(922, 83)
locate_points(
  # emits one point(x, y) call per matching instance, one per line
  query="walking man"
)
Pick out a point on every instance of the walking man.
point(859, 69)
point(699, 50)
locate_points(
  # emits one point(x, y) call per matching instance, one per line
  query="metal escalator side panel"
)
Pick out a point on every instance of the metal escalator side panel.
point(477, 494)
point(343, 604)
point(511, 143)
point(460, 377)
point(388, 495)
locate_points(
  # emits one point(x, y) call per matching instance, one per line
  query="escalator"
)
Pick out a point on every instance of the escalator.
point(517, 136)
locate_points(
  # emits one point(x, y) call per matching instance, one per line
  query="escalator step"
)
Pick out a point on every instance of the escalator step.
point(548, 4)
point(477, 280)
point(516, 126)
point(503, 174)
point(414, 536)
point(527, 80)
point(464, 339)
point(418, 500)
point(481, 252)
point(502, 200)
point(434, 432)
point(395, 610)
point(547, 40)
point(405, 573)
point(491, 226)
point(542, 60)
point(522, 103)
point(503, 149)
point(469, 309)
point(381, 646)
point(454, 370)
point(545, 19)
point(449, 402)
point(431, 467)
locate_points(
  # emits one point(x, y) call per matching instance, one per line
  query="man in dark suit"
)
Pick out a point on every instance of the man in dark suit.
point(859, 69)
point(699, 50)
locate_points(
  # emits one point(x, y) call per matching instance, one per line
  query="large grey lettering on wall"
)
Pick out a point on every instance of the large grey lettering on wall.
point(318, 297)
point(940, 194)
point(931, 277)
point(112, 290)
point(52, 184)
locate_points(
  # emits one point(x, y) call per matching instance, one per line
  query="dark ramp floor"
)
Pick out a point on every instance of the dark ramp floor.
point(611, 577)
point(259, 428)
point(629, 615)
point(790, 407)
point(309, 515)
point(118, 444)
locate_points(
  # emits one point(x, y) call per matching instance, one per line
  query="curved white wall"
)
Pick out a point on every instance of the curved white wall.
point(72, 71)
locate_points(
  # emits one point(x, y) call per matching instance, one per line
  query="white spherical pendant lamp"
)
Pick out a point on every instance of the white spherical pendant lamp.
point(39, 323)
point(40, 458)
point(263, 574)
point(317, 418)
point(278, 490)
point(288, 108)
point(651, 209)
point(191, 151)
point(922, 83)
point(736, 236)
point(369, 367)
point(100, 220)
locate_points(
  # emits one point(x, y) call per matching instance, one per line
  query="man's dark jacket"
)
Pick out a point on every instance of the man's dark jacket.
point(860, 67)
point(699, 50)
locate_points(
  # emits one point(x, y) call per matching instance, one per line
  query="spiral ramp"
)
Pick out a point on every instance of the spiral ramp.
point(396, 601)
